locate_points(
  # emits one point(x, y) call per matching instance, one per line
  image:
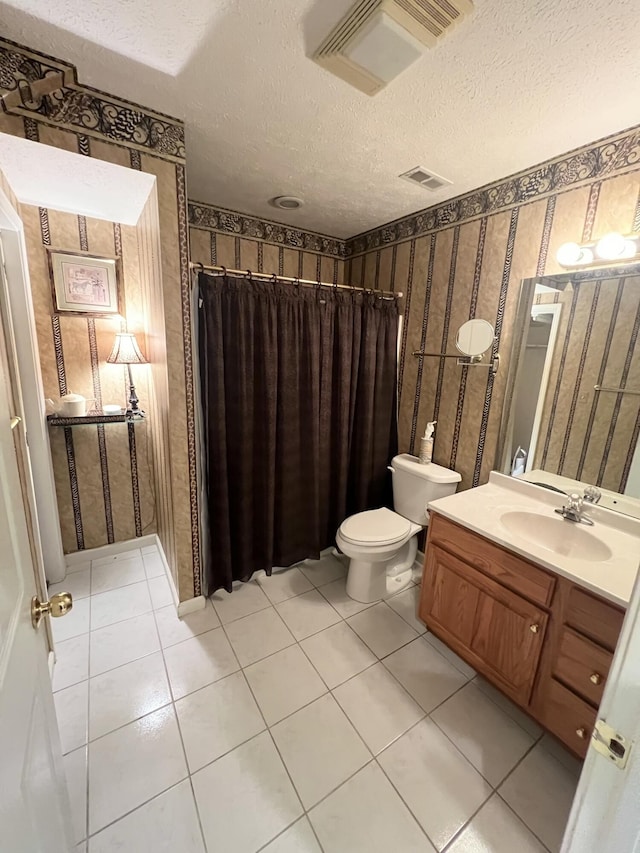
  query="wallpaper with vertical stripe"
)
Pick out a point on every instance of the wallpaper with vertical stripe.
point(466, 258)
point(586, 434)
point(103, 473)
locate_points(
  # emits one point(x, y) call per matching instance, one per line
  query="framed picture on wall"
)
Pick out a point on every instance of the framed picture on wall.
point(85, 285)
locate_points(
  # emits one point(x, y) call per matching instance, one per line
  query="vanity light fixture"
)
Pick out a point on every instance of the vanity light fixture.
point(612, 247)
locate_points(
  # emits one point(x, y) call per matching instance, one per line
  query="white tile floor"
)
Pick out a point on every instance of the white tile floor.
point(288, 719)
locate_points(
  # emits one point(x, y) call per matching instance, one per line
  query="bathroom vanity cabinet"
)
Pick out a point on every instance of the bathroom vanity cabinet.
point(544, 641)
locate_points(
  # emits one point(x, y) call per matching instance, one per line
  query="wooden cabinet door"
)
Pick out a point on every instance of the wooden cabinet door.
point(452, 599)
point(508, 636)
point(497, 631)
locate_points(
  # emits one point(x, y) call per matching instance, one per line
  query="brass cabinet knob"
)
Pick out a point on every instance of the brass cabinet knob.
point(58, 605)
point(534, 628)
point(581, 732)
point(596, 678)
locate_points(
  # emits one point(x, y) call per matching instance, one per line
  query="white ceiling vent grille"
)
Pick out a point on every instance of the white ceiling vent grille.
point(379, 39)
point(428, 180)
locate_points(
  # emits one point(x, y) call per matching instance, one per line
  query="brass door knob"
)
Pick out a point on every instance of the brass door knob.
point(534, 628)
point(581, 732)
point(596, 678)
point(58, 605)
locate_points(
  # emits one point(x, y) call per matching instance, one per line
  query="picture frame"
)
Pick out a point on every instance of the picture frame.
point(84, 284)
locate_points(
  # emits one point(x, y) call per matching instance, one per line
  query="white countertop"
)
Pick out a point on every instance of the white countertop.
point(480, 510)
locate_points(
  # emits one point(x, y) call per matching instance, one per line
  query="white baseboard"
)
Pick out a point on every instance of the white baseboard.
point(109, 550)
point(182, 607)
point(191, 605)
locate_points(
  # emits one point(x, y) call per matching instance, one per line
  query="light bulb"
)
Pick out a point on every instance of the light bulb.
point(611, 246)
point(568, 255)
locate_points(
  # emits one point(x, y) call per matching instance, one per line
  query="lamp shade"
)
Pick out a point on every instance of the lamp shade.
point(126, 350)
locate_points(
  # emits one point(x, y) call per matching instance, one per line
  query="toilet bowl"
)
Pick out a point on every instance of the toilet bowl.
point(382, 543)
point(381, 546)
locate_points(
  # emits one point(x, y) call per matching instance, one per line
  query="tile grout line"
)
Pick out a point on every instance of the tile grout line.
point(267, 727)
point(538, 742)
point(402, 799)
point(135, 809)
point(159, 793)
point(480, 773)
point(177, 719)
point(329, 691)
point(523, 822)
point(275, 746)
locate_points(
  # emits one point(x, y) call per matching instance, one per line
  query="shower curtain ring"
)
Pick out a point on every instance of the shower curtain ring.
point(224, 270)
point(201, 265)
point(249, 275)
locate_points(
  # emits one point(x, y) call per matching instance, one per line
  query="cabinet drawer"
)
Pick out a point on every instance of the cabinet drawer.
point(594, 618)
point(509, 569)
point(568, 717)
point(582, 665)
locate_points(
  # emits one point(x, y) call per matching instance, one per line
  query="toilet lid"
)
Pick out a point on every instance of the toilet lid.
point(377, 526)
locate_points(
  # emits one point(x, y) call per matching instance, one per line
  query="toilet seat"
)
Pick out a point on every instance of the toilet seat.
point(375, 527)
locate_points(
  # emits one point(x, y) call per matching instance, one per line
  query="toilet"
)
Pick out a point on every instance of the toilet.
point(381, 543)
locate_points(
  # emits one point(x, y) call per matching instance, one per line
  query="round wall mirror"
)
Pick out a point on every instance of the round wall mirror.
point(475, 337)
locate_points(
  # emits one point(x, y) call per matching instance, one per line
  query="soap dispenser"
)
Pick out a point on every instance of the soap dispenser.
point(426, 444)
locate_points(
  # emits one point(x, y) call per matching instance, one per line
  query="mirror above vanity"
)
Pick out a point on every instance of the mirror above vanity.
point(572, 406)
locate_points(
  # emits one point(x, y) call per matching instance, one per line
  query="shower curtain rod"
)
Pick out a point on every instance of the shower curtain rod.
point(388, 294)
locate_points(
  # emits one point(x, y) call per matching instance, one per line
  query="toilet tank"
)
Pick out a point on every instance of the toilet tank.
point(415, 485)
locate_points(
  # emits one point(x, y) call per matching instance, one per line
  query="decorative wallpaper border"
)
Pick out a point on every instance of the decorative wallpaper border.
point(609, 156)
point(212, 218)
point(83, 109)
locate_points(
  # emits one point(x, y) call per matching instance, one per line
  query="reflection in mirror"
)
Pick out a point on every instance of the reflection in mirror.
point(572, 410)
point(475, 337)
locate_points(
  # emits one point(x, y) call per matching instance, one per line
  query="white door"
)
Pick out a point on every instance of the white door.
point(605, 817)
point(34, 806)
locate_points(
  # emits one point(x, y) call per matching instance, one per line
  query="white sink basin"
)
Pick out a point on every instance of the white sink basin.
point(556, 534)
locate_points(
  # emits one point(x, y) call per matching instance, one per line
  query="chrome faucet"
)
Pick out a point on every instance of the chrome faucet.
point(573, 512)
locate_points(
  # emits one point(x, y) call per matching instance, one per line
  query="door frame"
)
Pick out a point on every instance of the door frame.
point(14, 250)
point(554, 308)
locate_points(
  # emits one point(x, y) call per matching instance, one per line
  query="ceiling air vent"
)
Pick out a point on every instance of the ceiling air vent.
point(428, 180)
point(379, 39)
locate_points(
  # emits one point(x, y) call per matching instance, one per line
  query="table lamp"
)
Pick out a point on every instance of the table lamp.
point(126, 351)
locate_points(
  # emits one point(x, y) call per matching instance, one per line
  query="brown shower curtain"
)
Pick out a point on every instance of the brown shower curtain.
point(299, 400)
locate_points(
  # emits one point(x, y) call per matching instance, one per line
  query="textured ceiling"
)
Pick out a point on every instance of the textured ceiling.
point(515, 84)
